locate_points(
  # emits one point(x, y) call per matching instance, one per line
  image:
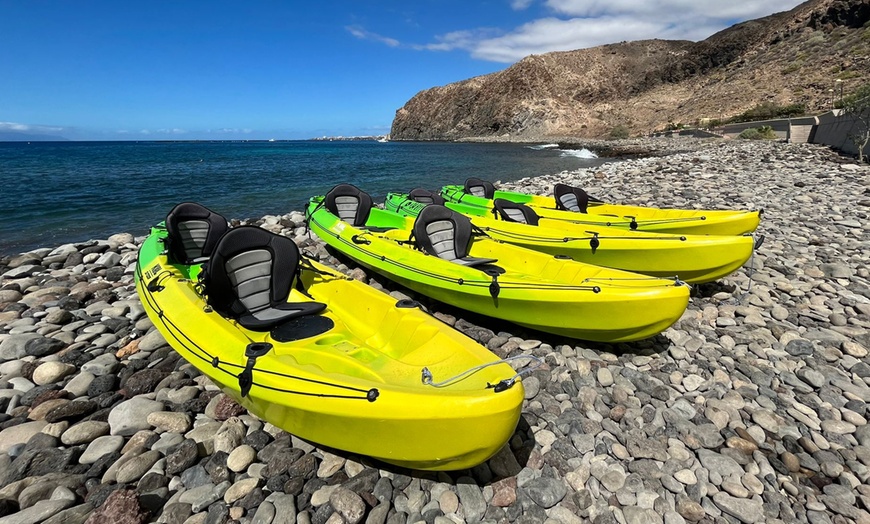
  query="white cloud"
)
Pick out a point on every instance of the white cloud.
point(29, 128)
point(578, 24)
point(671, 9)
point(231, 130)
point(466, 40)
point(363, 34)
point(519, 5)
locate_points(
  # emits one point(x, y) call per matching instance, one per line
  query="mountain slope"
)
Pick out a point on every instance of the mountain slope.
point(790, 57)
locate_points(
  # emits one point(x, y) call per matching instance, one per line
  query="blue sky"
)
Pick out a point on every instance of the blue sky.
point(190, 69)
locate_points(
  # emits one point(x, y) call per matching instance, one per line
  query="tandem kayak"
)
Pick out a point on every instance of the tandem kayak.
point(571, 204)
point(320, 355)
point(439, 254)
point(691, 258)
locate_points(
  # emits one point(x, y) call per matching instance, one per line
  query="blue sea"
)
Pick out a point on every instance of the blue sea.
point(59, 192)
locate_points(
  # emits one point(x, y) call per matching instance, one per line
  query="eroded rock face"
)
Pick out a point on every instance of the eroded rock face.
point(645, 85)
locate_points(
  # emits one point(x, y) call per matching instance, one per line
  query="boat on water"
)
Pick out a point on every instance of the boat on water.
point(440, 254)
point(691, 258)
point(572, 204)
point(325, 357)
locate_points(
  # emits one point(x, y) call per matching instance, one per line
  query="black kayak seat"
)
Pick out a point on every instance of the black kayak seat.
point(424, 196)
point(249, 278)
point(446, 234)
point(349, 203)
point(193, 232)
point(570, 198)
point(480, 188)
point(513, 212)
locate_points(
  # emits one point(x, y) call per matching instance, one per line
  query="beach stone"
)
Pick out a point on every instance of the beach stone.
point(745, 510)
point(120, 507)
point(240, 489)
point(19, 434)
point(229, 436)
point(799, 348)
point(689, 509)
point(100, 447)
point(136, 467)
point(471, 498)
point(130, 416)
point(151, 341)
point(39, 512)
point(143, 381)
point(84, 432)
point(181, 457)
point(43, 346)
point(241, 457)
point(170, 421)
point(105, 364)
point(348, 504)
point(767, 420)
point(227, 408)
point(545, 492)
point(605, 377)
point(504, 493)
point(14, 347)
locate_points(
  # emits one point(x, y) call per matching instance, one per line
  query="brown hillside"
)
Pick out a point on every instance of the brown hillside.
point(790, 57)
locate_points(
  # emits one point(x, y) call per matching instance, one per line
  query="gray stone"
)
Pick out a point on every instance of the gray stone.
point(132, 415)
point(14, 347)
point(545, 492)
point(748, 511)
point(471, 498)
point(100, 447)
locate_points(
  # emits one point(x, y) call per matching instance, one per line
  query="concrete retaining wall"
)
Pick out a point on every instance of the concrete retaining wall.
point(831, 129)
point(834, 130)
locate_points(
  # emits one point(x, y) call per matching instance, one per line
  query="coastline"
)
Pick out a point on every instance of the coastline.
point(752, 407)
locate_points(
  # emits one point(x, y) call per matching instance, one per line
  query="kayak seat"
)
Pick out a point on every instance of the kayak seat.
point(447, 235)
point(570, 198)
point(424, 196)
point(250, 276)
point(513, 212)
point(193, 232)
point(478, 187)
point(349, 203)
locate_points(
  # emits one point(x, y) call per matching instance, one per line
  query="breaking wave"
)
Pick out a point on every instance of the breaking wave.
point(579, 153)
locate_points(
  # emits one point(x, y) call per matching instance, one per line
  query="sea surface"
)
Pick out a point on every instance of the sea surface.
point(52, 193)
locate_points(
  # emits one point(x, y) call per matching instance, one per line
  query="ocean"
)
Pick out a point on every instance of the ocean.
point(60, 192)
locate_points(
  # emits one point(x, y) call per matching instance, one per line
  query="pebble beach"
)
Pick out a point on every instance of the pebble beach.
point(752, 408)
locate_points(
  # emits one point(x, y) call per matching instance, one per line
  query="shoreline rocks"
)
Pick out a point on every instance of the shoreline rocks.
point(751, 408)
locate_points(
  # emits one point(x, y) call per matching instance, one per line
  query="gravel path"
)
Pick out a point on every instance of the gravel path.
point(751, 408)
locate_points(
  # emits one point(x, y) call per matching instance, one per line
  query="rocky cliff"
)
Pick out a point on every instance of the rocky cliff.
point(786, 58)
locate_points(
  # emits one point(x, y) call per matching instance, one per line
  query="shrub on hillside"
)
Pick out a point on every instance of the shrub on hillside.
point(758, 133)
point(619, 132)
point(769, 110)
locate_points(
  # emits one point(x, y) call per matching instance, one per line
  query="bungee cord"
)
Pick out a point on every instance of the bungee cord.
point(197, 351)
point(438, 276)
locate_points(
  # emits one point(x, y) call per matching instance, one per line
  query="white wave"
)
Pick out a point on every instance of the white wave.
point(579, 153)
point(543, 146)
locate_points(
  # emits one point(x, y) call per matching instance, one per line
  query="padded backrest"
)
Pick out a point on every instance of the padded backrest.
point(478, 187)
point(424, 196)
point(349, 203)
point(513, 212)
point(251, 269)
point(193, 232)
point(442, 232)
point(570, 198)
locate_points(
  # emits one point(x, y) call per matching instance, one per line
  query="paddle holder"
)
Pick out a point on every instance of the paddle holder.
point(246, 377)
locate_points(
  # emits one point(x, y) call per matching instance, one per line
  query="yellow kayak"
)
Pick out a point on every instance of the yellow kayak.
point(327, 358)
point(445, 261)
point(691, 258)
point(571, 204)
